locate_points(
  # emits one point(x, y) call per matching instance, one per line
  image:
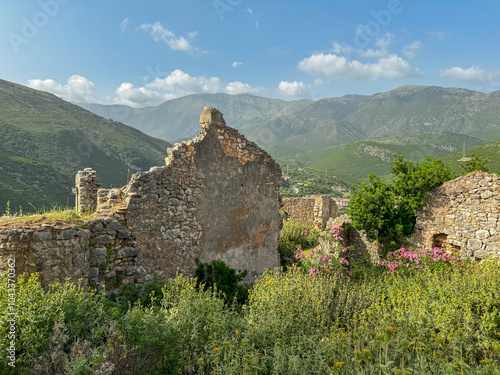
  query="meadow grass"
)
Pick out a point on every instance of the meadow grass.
point(438, 315)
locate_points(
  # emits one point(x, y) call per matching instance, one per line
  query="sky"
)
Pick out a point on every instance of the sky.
point(141, 53)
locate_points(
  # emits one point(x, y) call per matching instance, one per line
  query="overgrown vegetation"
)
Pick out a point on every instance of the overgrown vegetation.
point(386, 211)
point(292, 237)
point(225, 279)
point(427, 321)
point(57, 214)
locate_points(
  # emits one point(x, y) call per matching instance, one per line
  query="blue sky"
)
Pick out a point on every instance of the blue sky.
point(141, 53)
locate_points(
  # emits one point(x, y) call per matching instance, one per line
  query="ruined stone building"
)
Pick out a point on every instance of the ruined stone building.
point(217, 198)
point(310, 211)
point(462, 215)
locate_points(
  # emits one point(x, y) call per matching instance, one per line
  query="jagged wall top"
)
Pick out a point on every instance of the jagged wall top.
point(211, 116)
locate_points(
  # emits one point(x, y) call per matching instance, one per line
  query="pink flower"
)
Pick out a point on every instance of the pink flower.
point(304, 232)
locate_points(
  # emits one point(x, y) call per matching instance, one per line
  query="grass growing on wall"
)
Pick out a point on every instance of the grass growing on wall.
point(54, 215)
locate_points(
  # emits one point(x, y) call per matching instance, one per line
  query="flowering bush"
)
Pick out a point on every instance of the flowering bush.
point(436, 259)
point(334, 263)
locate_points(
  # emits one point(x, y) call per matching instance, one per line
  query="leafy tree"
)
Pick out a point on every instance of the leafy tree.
point(386, 211)
point(476, 163)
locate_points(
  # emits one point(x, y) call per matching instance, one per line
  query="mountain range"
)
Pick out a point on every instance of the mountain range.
point(45, 140)
point(286, 128)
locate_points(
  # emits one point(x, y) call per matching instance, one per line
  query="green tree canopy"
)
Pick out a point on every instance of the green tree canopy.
point(386, 211)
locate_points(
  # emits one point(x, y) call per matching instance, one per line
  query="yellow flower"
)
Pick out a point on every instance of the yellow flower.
point(237, 332)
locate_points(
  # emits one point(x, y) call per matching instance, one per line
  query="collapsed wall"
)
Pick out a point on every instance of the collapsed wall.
point(462, 215)
point(217, 198)
point(310, 211)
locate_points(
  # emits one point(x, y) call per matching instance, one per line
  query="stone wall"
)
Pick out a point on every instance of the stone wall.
point(310, 210)
point(217, 198)
point(100, 251)
point(86, 190)
point(462, 215)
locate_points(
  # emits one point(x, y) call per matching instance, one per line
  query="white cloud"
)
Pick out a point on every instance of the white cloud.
point(77, 88)
point(292, 89)
point(439, 34)
point(318, 82)
point(176, 84)
point(236, 64)
point(159, 33)
point(235, 88)
point(339, 49)
point(124, 24)
point(474, 74)
point(383, 47)
point(127, 94)
point(331, 65)
point(410, 50)
point(257, 25)
point(249, 11)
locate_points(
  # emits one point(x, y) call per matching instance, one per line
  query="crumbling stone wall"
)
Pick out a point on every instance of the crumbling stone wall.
point(86, 190)
point(99, 252)
point(217, 198)
point(462, 215)
point(310, 210)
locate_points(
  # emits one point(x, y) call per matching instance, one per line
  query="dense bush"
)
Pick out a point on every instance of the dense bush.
point(294, 235)
point(386, 211)
point(442, 319)
point(225, 279)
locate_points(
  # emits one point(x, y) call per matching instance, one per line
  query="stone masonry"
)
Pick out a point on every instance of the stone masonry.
point(217, 198)
point(310, 210)
point(462, 215)
point(100, 251)
point(86, 190)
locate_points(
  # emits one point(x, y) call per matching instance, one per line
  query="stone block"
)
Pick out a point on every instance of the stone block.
point(42, 236)
point(99, 253)
point(103, 240)
point(93, 272)
point(482, 234)
point(128, 252)
point(474, 244)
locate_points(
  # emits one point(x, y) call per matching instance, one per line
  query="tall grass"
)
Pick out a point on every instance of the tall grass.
point(428, 321)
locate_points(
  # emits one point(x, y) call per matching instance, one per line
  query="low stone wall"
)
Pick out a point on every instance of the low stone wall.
point(310, 210)
point(462, 215)
point(101, 251)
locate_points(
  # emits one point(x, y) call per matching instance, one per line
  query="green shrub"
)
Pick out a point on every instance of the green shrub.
point(291, 238)
point(219, 274)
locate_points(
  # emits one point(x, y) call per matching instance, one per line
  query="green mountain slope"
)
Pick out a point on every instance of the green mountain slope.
point(489, 151)
point(176, 119)
point(354, 162)
point(289, 128)
point(45, 141)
